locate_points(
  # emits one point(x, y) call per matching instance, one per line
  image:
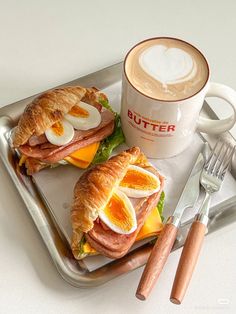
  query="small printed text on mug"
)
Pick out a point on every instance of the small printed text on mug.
point(151, 127)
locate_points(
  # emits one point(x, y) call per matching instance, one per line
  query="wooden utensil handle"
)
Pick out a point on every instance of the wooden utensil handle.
point(187, 261)
point(156, 260)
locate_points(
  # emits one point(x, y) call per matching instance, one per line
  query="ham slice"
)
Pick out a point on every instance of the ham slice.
point(37, 140)
point(62, 153)
point(33, 165)
point(41, 139)
point(115, 245)
point(50, 153)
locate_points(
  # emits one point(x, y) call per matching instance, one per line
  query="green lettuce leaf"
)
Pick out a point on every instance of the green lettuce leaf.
point(160, 204)
point(111, 142)
point(81, 245)
point(160, 208)
point(105, 104)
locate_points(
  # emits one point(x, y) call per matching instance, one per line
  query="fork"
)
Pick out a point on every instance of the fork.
point(211, 179)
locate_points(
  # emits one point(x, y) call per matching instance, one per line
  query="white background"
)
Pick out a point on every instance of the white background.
point(46, 43)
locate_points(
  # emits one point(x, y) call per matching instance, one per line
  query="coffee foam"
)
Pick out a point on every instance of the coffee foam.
point(166, 69)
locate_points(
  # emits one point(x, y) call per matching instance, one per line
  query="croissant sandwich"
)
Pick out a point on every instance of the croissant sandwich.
point(66, 125)
point(115, 204)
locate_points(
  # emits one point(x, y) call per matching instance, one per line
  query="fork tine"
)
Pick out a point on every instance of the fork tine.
point(218, 157)
point(221, 159)
point(226, 162)
point(211, 158)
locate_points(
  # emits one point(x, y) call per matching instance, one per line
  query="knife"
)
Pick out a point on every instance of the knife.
point(166, 239)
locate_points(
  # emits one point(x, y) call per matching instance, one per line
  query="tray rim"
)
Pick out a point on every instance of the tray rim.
point(71, 270)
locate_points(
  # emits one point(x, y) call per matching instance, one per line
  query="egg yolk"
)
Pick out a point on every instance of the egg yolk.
point(118, 213)
point(77, 111)
point(57, 128)
point(138, 180)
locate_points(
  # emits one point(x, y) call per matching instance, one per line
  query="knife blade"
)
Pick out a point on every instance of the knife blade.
point(166, 239)
point(191, 189)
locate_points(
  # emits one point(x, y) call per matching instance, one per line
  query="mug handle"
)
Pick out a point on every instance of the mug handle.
point(219, 126)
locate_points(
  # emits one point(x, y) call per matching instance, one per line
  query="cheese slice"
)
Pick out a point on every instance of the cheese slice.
point(152, 226)
point(22, 160)
point(83, 157)
point(77, 163)
point(87, 153)
point(88, 249)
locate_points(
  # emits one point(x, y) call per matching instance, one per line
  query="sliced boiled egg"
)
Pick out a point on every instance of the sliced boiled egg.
point(83, 116)
point(139, 182)
point(119, 214)
point(60, 133)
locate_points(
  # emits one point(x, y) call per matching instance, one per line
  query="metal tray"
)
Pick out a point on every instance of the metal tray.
point(75, 272)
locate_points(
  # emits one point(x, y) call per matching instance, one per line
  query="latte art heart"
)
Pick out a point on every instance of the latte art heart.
point(168, 65)
point(166, 68)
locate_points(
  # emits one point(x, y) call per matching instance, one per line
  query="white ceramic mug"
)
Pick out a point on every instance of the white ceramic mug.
point(163, 129)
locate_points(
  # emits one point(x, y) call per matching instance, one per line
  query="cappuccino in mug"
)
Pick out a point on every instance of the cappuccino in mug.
point(165, 82)
point(166, 69)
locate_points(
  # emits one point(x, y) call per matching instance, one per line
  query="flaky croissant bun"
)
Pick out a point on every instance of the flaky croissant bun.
point(49, 108)
point(95, 187)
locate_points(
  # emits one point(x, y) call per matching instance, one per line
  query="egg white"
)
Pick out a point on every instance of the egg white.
point(131, 192)
point(63, 139)
point(129, 206)
point(85, 123)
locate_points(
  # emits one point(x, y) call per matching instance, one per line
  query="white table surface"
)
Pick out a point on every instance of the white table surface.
point(46, 43)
